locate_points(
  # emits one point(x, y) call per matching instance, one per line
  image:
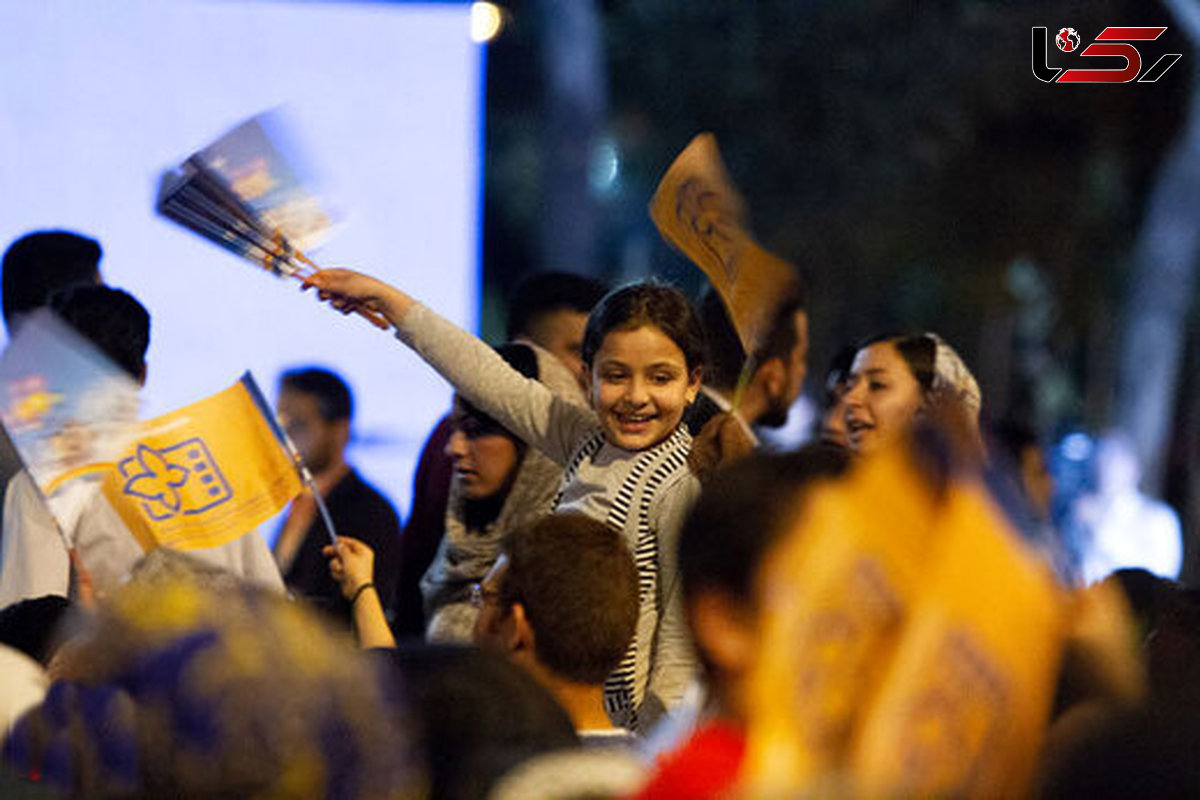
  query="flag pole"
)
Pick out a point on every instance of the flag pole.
point(306, 476)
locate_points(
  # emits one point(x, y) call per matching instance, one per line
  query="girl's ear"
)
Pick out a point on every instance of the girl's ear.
point(693, 387)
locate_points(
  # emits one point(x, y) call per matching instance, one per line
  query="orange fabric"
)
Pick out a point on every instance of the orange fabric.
point(912, 643)
point(699, 211)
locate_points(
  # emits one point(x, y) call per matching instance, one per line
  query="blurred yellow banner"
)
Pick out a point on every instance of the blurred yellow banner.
point(203, 475)
point(699, 211)
point(836, 593)
point(912, 644)
point(967, 695)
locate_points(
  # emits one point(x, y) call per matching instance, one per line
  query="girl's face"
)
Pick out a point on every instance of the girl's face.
point(484, 458)
point(639, 386)
point(882, 397)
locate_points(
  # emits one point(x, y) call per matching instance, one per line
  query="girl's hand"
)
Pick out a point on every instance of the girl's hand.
point(351, 563)
point(352, 292)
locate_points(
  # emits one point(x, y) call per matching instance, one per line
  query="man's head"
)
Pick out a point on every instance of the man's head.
point(744, 511)
point(550, 309)
point(315, 407)
point(563, 598)
point(111, 319)
point(780, 363)
point(41, 263)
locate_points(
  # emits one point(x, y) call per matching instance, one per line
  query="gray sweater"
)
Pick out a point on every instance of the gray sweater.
point(645, 494)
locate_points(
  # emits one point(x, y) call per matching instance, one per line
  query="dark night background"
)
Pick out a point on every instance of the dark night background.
point(905, 157)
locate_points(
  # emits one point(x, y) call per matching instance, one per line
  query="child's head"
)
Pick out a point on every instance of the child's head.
point(643, 351)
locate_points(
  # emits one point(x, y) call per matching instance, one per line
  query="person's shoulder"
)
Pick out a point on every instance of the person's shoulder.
point(705, 765)
point(609, 737)
point(673, 470)
point(364, 496)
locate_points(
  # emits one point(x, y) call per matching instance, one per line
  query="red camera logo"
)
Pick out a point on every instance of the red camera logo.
point(1112, 42)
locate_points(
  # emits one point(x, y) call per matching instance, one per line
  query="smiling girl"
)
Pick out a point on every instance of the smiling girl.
point(625, 457)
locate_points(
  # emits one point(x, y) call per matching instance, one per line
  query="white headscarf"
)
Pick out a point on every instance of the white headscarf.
point(951, 374)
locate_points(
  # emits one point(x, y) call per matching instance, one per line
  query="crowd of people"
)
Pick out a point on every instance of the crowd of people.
point(587, 596)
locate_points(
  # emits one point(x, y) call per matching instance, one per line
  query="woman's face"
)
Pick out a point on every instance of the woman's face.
point(640, 386)
point(882, 397)
point(484, 457)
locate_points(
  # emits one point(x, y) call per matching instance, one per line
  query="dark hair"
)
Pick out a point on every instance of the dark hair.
point(638, 304)
point(523, 359)
point(577, 582)
point(742, 511)
point(836, 375)
point(479, 715)
point(918, 350)
point(111, 319)
point(1010, 438)
point(546, 292)
point(726, 356)
point(43, 262)
point(334, 400)
point(32, 625)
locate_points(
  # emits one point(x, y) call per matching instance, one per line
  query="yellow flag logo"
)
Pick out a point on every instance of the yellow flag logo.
point(205, 474)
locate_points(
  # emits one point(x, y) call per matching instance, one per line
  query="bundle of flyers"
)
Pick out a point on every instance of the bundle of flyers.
point(244, 193)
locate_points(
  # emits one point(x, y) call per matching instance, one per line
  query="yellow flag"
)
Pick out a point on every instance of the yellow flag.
point(699, 211)
point(205, 474)
point(967, 696)
point(911, 644)
point(836, 594)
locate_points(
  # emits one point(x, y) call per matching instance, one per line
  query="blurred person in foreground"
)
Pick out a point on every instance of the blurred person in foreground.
point(743, 513)
point(560, 602)
point(190, 683)
point(475, 716)
point(316, 409)
point(548, 310)
point(30, 633)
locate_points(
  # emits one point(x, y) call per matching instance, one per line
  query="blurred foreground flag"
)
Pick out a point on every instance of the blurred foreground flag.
point(205, 474)
point(699, 211)
point(912, 645)
point(836, 593)
point(965, 702)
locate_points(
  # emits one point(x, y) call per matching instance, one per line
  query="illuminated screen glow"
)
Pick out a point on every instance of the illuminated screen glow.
point(99, 98)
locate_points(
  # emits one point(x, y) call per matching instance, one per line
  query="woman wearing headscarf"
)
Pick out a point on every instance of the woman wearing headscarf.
point(498, 485)
point(895, 379)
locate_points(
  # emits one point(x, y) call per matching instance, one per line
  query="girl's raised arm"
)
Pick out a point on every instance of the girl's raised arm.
point(522, 405)
point(347, 290)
